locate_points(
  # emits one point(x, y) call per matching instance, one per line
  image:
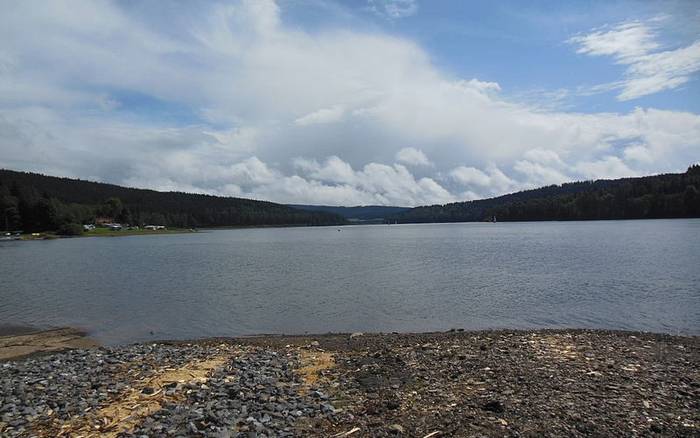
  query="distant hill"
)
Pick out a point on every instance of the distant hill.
point(34, 202)
point(363, 213)
point(651, 197)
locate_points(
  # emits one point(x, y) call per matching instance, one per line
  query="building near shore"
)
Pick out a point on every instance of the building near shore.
point(154, 227)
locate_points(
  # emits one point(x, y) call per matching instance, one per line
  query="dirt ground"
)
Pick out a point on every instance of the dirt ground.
point(25, 342)
point(464, 384)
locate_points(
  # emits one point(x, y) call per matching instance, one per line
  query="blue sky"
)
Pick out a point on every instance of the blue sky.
point(485, 40)
point(402, 102)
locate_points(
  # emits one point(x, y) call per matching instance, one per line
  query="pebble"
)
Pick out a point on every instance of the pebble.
point(499, 383)
point(256, 394)
point(396, 429)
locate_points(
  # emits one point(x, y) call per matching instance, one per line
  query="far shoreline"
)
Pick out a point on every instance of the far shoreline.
point(51, 235)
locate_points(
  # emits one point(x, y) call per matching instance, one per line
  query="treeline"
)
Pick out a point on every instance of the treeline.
point(32, 202)
point(651, 197)
point(360, 213)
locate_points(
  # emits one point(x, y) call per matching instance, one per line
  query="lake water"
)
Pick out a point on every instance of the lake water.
point(636, 275)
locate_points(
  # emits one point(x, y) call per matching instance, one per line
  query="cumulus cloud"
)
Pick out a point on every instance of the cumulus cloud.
point(479, 183)
point(607, 167)
point(229, 99)
point(484, 86)
point(638, 153)
point(470, 176)
point(649, 69)
point(412, 157)
point(538, 174)
point(333, 181)
point(324, 115)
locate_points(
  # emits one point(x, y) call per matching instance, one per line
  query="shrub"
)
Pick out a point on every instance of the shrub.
point(70, 229)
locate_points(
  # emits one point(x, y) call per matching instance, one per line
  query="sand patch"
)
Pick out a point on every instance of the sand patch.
point(313, 363)
point(554, 346)
point(21, 345)
point(130, 408)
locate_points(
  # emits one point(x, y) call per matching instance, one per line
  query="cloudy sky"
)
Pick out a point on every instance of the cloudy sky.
point(402, 102)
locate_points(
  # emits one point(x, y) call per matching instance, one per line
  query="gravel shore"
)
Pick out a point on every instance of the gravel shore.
point(489, 383)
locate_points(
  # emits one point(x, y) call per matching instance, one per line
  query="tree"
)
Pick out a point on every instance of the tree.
point(691, 200)
point(43, 216)
point(659, 196)
point(70, 229)
point(112, 207)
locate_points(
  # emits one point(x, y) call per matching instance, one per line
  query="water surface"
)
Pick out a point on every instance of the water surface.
point(636, 275)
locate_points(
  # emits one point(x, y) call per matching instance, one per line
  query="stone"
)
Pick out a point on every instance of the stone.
point(396, 429)
point(494, 406)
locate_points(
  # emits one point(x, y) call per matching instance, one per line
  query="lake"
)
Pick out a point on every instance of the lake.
point(632, 275)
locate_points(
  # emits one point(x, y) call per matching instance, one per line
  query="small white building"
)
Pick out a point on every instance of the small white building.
point(154, 227)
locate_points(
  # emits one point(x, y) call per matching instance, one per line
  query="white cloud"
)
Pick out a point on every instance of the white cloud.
point(258, 94)
point(626, 41)
point(470, 176)
point(481, 85)
point(324, 115)
point(542, 167)
point(544, 156)
point(649, 69)
point(661, 71)
point(539, 174)
point(480, 184)
point(638, 153)
point(607, 167)
point(412, 157)
point(333, 170)
point(335, 182)
point(393, 9)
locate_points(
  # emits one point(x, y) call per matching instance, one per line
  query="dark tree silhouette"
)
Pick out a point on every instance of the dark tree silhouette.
point(650, 197)
point(33, 202)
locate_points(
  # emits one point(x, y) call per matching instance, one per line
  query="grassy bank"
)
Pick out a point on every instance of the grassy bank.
point(105, 232)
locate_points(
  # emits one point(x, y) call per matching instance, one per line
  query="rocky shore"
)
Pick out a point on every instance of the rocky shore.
point(489, 383)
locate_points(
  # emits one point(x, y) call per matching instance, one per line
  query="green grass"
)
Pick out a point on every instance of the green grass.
point(106, 232)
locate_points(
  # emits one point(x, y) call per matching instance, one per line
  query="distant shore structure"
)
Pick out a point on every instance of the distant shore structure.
point(154, 227)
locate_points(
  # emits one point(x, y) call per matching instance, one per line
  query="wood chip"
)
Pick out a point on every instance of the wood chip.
point(348, 433)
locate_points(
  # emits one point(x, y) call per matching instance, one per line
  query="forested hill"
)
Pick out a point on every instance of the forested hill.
point(650, 197)
point(361, 213)
point(33, 202)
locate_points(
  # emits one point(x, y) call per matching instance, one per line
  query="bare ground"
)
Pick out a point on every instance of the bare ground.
point(488, 383)
point(26, 342)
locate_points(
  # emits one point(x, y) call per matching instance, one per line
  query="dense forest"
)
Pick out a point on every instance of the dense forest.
point(361, 213)
point(650, 197)
point(31, 202)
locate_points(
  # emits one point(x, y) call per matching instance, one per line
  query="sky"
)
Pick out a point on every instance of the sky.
point(387, 102)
